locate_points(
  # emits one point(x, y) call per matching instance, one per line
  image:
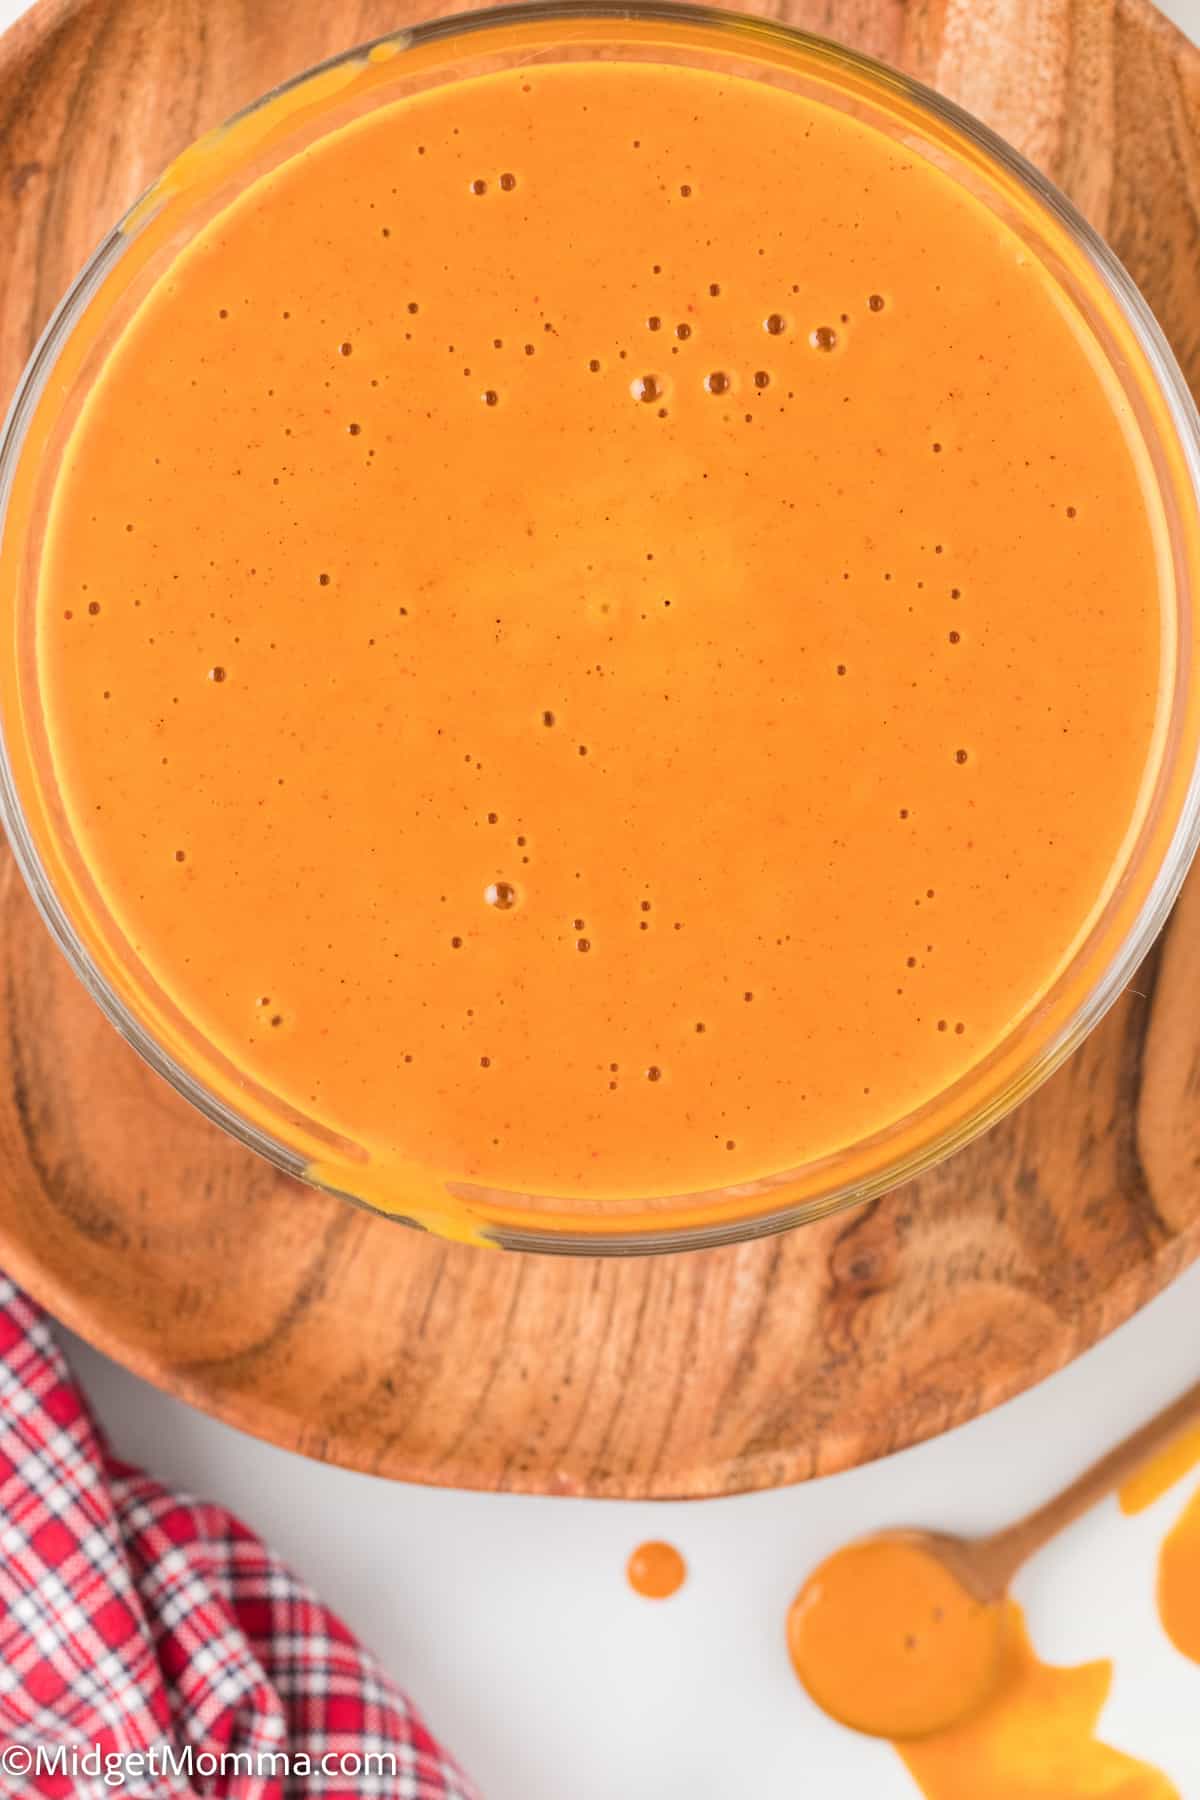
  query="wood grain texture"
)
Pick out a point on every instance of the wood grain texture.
point(353, 1339)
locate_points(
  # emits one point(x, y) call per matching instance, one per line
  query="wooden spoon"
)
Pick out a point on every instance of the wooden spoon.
point(985, 1566)
point(902, 1633)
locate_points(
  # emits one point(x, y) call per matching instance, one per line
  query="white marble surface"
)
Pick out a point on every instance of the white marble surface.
point(509, 1620)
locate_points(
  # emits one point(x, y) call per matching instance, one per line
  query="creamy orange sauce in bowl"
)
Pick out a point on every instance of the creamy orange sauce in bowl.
point(599, 628)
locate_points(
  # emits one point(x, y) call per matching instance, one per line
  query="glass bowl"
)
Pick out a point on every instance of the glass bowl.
point(1125, 341)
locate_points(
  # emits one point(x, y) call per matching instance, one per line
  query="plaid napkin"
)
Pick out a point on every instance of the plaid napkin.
point(137, 1622)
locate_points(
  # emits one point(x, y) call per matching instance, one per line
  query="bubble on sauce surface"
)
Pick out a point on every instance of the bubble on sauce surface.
point(717, 382)
point(501, 894)
point(824, 337)
point(646, 388)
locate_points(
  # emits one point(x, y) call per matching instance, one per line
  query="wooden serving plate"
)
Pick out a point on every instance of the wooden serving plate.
point(348, 1337)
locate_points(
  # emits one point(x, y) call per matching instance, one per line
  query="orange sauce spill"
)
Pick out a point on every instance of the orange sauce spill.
point(1179, 1581)
point(581, 684)
point(1034, 1739)
point(656, 1570)
point(1171, 1464)
point(1178, 1586)
point(885, 1640)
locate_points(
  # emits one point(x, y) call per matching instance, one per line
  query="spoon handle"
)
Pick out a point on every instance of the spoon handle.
point(1004, 1552)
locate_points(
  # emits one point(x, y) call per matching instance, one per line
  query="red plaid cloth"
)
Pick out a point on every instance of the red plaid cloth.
point(133, 1619)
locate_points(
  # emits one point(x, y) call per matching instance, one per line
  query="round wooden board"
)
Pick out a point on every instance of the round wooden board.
point(350, 1338)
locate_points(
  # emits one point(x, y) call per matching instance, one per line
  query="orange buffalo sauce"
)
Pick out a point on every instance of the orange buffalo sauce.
point(1160, 1473)
point(600, 633)
point(1179, 1581)
point(1178, 1584)
point(885, 1640)
point(656, 1570)
point(1035, 1740)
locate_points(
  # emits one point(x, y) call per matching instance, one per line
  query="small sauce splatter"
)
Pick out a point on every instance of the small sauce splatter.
point(1179, 1581)
point(1178, 1588)
point(656, 1570)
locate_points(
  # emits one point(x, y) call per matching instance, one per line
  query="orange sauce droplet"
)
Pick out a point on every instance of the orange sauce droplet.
point(656, 1570)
